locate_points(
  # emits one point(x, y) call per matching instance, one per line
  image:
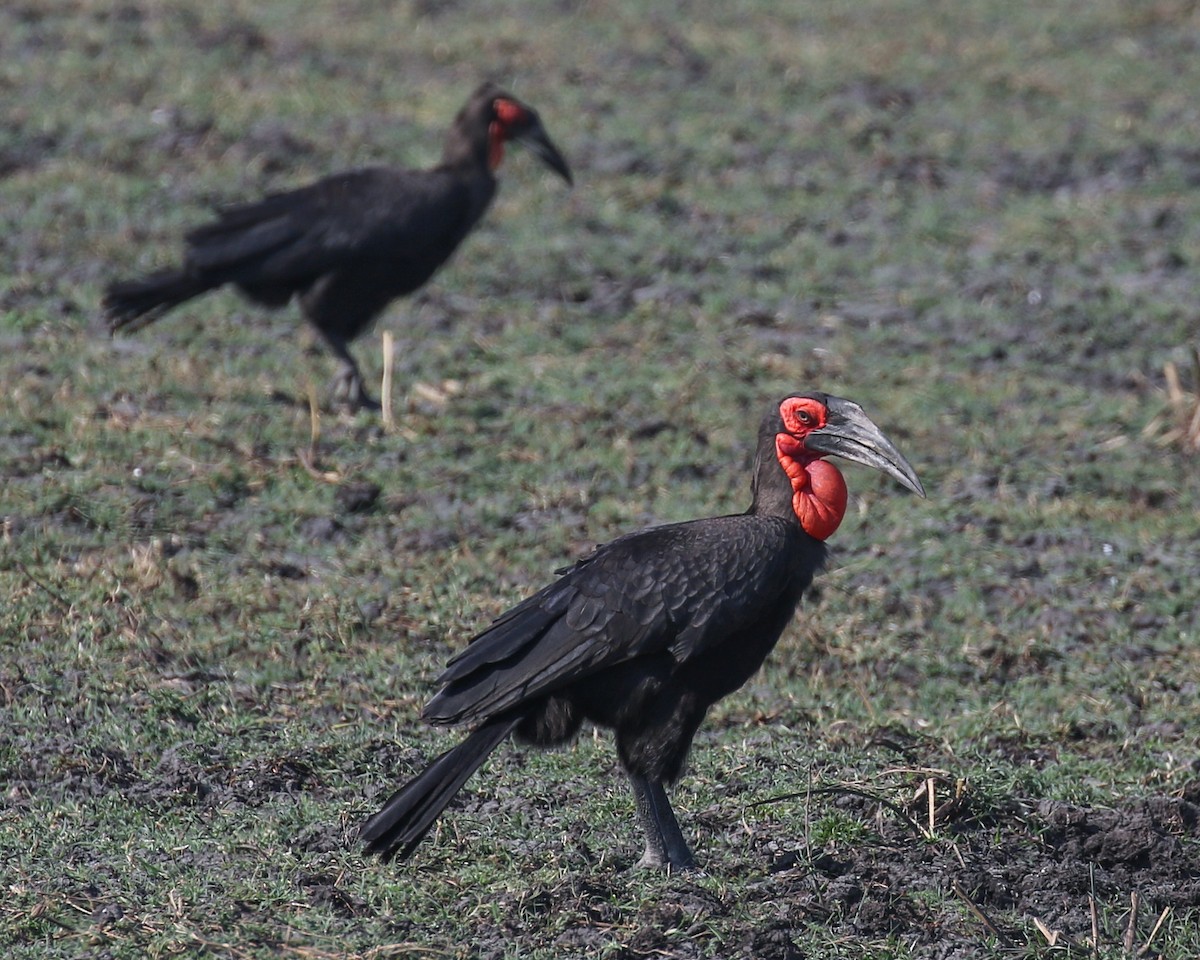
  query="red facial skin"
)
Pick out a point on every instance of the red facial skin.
point(818, 488)
point(508, 115)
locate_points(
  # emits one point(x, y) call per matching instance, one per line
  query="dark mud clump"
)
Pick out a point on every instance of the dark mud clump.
point(994, 877)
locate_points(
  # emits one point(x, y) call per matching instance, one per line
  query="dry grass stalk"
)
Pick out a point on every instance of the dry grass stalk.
point(1183, 409)
point(308, 458)
point(1052, 936)
point(1131, 927)
point(386, 388)
point(1154, 933)
point(983, 918)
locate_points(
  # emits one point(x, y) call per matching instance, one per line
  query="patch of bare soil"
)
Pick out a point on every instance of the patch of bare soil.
point(1031, 874)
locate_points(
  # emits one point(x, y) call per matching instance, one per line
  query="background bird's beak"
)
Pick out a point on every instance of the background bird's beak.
point(849, 433)
point(543, 148)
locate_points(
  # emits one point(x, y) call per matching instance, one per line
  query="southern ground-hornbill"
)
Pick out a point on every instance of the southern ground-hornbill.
point(352, 242)
point(650, 630)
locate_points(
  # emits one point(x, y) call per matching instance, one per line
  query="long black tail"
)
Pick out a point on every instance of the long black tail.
point(399, 826)
point(127, 302)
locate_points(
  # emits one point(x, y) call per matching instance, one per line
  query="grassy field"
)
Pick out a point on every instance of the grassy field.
point(979, 220)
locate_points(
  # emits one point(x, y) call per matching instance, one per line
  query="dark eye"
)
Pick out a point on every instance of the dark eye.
point(804, 417)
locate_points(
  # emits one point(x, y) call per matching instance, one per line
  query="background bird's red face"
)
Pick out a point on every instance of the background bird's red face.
point(511, 119)
point(510, 115)
point(802, 415)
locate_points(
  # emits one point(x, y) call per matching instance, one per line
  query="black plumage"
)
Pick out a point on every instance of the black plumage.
point(349, 244)
point(650, 630)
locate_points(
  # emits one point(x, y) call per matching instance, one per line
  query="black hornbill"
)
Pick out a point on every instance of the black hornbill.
point(349, 244)
point(650, 630)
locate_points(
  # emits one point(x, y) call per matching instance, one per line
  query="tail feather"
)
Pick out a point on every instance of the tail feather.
point(407, 816)
point(135, 303)
point(238, 247)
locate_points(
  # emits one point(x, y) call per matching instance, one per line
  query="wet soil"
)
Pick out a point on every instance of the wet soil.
point(1020, 871)
point(1011, 872)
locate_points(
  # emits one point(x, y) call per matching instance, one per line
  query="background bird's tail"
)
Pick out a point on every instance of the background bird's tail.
point(396, 829)
point(135, 303)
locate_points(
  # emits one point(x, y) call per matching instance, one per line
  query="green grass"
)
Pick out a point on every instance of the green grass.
point(980, 221)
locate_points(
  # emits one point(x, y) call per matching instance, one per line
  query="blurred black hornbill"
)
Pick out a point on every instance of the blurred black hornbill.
point(349, 244)
point(650, 630)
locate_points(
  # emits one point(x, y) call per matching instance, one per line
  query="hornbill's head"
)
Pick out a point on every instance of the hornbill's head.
point(806, 427)
point(508, 119)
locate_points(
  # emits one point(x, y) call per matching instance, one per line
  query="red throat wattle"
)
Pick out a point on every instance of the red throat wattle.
point(496, 140)
point(818, 489)
point(508, 115)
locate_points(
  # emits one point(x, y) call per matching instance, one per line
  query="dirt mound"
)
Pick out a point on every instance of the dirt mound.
point(995, 878)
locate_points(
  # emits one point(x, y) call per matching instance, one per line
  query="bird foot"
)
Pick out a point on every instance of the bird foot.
point(657, 860)
point(363, 402)
point(347, 392)
point(665, 847)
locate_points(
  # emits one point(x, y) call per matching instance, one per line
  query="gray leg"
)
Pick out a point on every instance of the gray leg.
point(665, 846)
point(348, 384)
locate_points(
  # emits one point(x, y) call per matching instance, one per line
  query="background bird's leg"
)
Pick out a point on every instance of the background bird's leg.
point(665, 846)
point(348, 383)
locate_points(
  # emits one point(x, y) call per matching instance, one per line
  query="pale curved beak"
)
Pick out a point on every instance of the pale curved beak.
point(539, 143)
point(849, 433)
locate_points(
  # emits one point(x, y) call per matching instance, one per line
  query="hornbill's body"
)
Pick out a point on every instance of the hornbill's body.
point(349, 244)
point(650, 630)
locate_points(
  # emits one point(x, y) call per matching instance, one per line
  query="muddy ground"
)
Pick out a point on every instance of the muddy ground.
point(212, 656)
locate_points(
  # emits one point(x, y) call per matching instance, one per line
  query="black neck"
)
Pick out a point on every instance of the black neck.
point(770, 488)
point(466, 144)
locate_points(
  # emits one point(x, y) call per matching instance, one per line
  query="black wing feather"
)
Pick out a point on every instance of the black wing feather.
point(301, 234)
point(679, 588)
